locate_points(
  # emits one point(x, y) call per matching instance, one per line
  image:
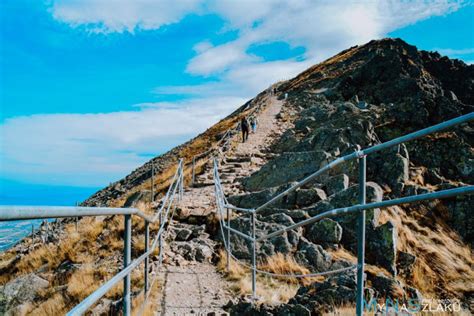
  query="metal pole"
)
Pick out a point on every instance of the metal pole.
point(160, 241)
point(147, 245)
point(127, 254)
point(77, 218)
point(181, 180)
point(32, 232)
point(254, 261)
point(361, 238)
point(194, 171)
point(228, 239)
point(152, 182)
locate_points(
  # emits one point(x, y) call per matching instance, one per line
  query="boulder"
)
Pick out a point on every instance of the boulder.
point(183, 234)
point(405, 262)
point(203, 253)
point(325, 232)
point(337, 184)
point(460, 216)
point(279, 218)
point(296, 215)
point(338, 289)
point(284, 243)
point(348, 222)
point(306, 197)
point(20, 290)
point(313, 256)
point(255, 199)
point(387, 287)
point(382, 246)
point(285, 168)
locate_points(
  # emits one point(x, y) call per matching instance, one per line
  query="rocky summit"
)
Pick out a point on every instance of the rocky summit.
point(361, 97)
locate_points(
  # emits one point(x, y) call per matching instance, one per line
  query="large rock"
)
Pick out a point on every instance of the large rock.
point(284, 243)
point(338, 289)
point(306, 197)
point(387, 287)
point(313, 256)
point(390, 167)
point(405, 262)
point(460, 216)
point(337, 184)
point(286, 168)
point(382, 246)
point(255, 199)
point(348, 222)
point(325, 232)
point(20, 290)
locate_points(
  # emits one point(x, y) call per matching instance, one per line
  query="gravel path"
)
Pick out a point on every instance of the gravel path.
point(267, 126)
point(193, 290)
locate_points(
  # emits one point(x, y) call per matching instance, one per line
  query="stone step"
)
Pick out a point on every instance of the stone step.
point(238, 159)
point(238, 165)
point(203, 184)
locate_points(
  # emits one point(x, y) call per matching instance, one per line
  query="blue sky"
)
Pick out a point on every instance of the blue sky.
point(91, 89)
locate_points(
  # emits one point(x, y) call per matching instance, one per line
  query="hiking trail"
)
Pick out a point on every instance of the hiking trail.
point(188, 286)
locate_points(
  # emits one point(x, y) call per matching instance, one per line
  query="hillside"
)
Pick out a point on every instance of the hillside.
point(361, 97)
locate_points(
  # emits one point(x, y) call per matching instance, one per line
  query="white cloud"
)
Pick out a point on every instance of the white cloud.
point(322, 27)
point(122, 15)
point(93, 149)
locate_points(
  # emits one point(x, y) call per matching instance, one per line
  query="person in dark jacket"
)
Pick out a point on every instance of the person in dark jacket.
point(244, 127)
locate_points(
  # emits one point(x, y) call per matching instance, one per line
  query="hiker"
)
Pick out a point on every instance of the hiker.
point(253, 124)
point(244, 126)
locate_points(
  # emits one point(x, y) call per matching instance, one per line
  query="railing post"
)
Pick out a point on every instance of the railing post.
point(160, 241)
point(254, 260)
point(147, 246)
point(152, 182)
point(127, 254)
point(194, 172)
point(228, 239)
point(361, 238)
point(181, 181)
point(76, 219)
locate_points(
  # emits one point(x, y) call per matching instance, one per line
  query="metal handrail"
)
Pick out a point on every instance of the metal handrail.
point(8, 213)
point(360, 208)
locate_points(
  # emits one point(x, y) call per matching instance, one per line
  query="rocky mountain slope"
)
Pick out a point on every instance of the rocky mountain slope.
point(363, 96)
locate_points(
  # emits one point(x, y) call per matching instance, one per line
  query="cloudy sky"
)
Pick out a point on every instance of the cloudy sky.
point(90, 89)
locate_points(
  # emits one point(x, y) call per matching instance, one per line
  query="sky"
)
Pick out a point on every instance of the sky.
point(91, 89)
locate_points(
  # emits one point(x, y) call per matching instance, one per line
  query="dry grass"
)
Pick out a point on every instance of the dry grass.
point(286, 264)
point(152, 303)
point(236, 271)
point(269, 290)
point(53, 306)
point(82, 283)
point(444, 263)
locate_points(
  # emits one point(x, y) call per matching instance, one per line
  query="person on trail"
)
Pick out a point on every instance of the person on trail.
point(244, 127)
point(253, 124)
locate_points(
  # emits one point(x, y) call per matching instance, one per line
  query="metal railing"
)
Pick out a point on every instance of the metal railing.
point(360, 155)
point(175, 192)
point(220, 144)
